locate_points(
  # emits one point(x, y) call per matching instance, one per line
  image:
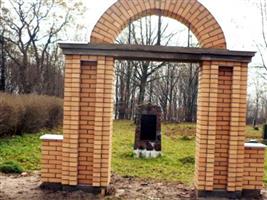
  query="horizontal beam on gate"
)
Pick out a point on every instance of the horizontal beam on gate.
point(155, 53)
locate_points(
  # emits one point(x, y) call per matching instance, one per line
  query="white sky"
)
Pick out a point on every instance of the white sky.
point(239, 19)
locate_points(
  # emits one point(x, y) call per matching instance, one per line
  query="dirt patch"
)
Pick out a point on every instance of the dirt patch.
point(14, 187)
point(18, 187)
point(27, 188)
point(133, 188)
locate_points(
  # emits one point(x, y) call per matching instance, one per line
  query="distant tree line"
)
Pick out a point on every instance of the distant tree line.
point(31, 62)
point(257, 97)
point(257, 103)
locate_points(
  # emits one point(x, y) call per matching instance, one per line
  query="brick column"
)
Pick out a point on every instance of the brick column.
point(237, 128)
point(97, 79)
point(213, 94)
point(98, 121)
point(103, 121)
point(206, 126)
point(87, 119)
point(223, 127)
point(242, 124)
point(71, 121)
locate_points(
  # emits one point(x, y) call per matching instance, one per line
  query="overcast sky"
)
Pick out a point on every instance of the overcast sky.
point(239, 19)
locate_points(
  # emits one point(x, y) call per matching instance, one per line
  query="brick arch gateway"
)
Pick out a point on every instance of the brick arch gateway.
point(225, 164)
point(189, 12)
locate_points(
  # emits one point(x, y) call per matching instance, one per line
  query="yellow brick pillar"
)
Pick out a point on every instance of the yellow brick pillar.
point(221, 121)
point(237, 133)
point(71, 120)
point(103, 121)
point(206, 126)
point(94, 129)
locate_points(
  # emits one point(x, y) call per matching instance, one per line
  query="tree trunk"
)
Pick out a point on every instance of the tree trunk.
point(117, 97)
point(3, 66)
point(142, 91)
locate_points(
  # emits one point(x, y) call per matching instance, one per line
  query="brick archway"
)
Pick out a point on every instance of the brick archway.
point(224, 165)
point(189, 12)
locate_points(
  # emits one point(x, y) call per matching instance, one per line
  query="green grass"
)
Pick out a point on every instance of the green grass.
point(252, 133)
point(176, 163)
point(25, 150)
point(167, 167)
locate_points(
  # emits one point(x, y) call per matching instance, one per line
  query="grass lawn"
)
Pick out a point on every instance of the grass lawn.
point(176, 164)
point(172, 166)
point(24, 149)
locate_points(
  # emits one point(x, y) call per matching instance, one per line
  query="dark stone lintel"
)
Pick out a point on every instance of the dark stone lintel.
point(156, 53)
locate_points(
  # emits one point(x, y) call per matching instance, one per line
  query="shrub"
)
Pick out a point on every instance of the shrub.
point(29, 113)
point(186, 138)
point(9, 114)
point(187, 160)
point(10, 167)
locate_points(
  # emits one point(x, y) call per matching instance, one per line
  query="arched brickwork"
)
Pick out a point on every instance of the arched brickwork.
point(189, 12)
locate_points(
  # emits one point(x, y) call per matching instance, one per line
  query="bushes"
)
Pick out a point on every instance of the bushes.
point(187, 160)
point(11, 167)
point(29, 113)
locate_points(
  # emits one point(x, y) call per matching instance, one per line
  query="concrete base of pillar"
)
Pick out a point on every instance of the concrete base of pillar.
point(218, 194)
point(251, 194)
point(248, 194)
point(69, 188)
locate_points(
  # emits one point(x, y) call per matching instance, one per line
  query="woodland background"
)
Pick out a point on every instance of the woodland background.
point(32, 63)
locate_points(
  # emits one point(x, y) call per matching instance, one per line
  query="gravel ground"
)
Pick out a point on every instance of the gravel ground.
point(18, 187)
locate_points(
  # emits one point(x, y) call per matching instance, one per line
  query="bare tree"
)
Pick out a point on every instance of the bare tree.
point(173, 86)
point(165, 92)
point(32, 29)
point(262, 49)
point(142, 33)
point(262, 45)
point(258, 101)
point(2, 63)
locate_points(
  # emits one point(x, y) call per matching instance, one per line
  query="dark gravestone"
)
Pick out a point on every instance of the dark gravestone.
point(148, 131)
point(265, 133)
